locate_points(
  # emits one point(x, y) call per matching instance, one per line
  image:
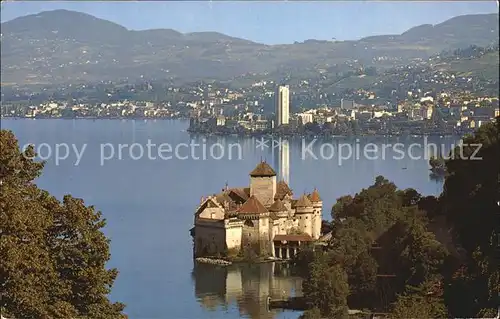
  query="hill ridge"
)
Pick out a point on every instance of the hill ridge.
point(70, 46)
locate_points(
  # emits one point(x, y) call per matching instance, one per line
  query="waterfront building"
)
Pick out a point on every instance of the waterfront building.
point(346, 104)
point(264, 216)
point(305, 117)
point(282, 105)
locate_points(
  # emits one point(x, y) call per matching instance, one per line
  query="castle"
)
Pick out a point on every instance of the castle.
point(264, 214)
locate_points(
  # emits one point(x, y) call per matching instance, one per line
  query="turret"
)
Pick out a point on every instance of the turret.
point(304, 212)
point(317, 215)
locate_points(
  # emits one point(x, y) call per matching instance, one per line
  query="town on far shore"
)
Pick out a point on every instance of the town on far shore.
point(444, 94)
point(268, 108)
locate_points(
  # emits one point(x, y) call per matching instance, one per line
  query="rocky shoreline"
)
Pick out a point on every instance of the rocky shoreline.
point(213, 261)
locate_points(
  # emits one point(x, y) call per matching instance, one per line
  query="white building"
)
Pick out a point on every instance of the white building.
point(282, 105)
point(305, 117)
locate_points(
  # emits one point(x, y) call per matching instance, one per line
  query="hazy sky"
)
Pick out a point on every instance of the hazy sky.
point(267, 22)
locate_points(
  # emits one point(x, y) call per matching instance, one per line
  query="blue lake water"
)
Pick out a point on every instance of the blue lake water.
point(149, 202)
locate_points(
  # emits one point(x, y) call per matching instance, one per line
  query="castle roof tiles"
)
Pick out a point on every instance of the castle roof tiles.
point(263, 170)
point(282, 189)
point(252, 206)
point(315, 196)
point(303, 202)
point(277, 206)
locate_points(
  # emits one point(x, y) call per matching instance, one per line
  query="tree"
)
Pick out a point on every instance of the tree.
point(377, 207)
point(421, 256)
point(326, 288)
point(363, 276)
point(423, 301)
point(469, 202)
point(53, 253)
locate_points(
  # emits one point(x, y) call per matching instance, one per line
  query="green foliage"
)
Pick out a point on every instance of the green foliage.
point(326, 287)
point(376, 207)
point(423, 301)
point(386, 230)
point(421, 255)
point(53, 253)
point(363, 274)
point(469, 202)
point(391, 220)
point(302, 260)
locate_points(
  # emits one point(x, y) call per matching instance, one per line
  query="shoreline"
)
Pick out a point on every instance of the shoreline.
point(235, 261)
point(249, 134)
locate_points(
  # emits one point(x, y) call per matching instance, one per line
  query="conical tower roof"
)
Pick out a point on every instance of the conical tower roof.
point(303, 202)
point(315, 196)
point(277, 206)
point(263, 170)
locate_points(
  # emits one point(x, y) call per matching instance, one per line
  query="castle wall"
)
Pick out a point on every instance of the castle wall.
point(233, 235)
point(264, 228)
point(212, 213)
point(316, 223)
point(250, 232)
point(257, 231)
point(209, 239)
point(305, 223)
point(275, 229)
point(264, 188)
point(283, 226)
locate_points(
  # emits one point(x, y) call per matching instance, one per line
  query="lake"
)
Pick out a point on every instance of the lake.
point(149, 200)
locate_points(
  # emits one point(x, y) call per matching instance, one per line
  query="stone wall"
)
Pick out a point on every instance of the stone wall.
point(212, 213)
point(209, 239)
point(234, 232)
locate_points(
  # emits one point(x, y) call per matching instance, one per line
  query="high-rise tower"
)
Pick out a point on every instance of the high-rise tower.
point(282, 105)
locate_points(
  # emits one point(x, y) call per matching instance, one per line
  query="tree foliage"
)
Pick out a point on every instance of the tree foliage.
point(470, 203)
point(423, 301)
point(440, 252)
point(53, 253)
point(326, 288)
point(391, 219)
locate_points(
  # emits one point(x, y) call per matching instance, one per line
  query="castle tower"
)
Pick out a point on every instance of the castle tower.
point(304, 212)
point(317, 215)
point(263, 183)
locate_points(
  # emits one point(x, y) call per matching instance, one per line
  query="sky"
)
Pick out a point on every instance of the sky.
point(270, 22)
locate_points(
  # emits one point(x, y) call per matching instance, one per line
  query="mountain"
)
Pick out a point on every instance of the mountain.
point(67, 47)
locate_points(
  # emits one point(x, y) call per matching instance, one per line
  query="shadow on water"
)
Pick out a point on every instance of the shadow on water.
point(245, 287)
